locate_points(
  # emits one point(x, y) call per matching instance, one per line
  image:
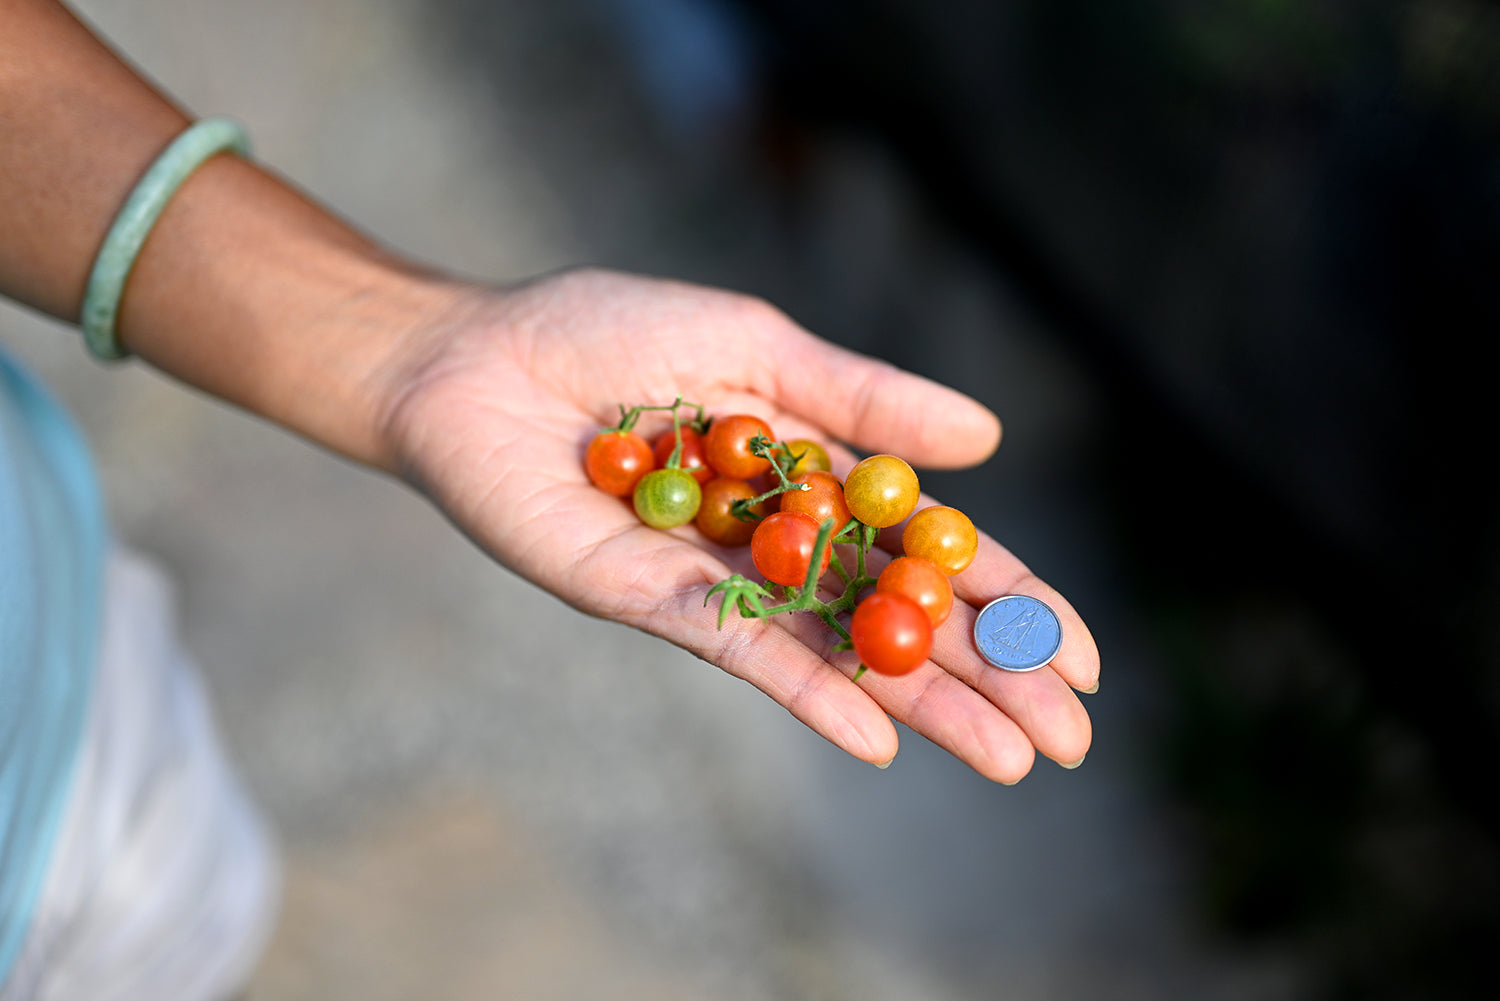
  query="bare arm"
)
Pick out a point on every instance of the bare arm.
point(244, 288)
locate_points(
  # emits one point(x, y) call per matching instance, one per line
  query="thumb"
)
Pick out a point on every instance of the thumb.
point(874, 405)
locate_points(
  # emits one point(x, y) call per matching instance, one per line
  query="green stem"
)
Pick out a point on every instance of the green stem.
point(767, 449)
point(745, 505)
point(837, 566)
point(833, 623)
point(744, 594)
point(629, 417)
point(674, 461)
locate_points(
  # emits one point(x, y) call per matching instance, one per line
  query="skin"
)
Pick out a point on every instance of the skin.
point(483, 397)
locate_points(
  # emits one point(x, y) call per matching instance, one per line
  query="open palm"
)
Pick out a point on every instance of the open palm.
point(492, 422)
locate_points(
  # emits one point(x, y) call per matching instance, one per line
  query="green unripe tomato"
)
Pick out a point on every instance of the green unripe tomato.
point(666, 498)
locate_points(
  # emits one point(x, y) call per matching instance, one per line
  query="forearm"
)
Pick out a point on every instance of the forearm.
point(244, 288)
point(253, 293)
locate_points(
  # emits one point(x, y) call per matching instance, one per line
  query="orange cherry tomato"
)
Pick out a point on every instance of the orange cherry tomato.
point(943, 535)
point(823, 498)
point(727, 446)
point(716, 519)
point(923, 582)
point(616, 460)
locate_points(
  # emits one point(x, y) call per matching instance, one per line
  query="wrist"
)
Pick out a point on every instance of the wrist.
point(254, 294)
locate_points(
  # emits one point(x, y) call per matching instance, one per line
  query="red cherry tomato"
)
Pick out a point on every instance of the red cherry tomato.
point(881, 490)
point(616, 460)
point(823, 499)
point(943, 535)
point(923, 582)
point(715, 518)
point(727, 446)
point(692, 458)
point(782, 547)
point(891, 633)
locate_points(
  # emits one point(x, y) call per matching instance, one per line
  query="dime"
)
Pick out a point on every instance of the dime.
point(1018, 633)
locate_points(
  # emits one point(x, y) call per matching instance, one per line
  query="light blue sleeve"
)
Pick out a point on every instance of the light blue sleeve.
point(52, 543)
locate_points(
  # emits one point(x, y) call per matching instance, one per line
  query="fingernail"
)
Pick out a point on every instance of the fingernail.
point(884, 765)
point(1089, 690)
point(1076, 763)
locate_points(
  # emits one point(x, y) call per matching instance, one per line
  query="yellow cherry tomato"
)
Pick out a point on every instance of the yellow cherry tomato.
point(807, 457)
point(881, 490)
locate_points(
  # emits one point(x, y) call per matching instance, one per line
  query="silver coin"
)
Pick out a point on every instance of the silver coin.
point(1018, 633)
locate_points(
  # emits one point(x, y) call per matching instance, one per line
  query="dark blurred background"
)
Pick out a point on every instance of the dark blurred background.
point(1268, 234)
point(1226, 269)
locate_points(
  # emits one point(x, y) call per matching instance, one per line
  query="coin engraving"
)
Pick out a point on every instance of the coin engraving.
point(1018, 633)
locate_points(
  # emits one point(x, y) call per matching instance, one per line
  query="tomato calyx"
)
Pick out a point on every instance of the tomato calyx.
point(765, 448)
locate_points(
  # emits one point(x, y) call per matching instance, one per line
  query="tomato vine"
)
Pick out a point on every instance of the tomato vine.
point(893, 634)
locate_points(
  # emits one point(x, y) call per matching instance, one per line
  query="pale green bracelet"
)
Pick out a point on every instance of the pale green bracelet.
point(101, 302)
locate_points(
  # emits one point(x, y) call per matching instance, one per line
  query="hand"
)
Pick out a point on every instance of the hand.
point(254, 293)
point(490, 418)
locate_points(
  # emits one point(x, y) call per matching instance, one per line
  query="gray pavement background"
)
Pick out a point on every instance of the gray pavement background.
point(482, 794)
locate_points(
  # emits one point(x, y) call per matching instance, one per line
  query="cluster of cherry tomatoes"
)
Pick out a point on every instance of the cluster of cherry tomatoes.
point(739, 486)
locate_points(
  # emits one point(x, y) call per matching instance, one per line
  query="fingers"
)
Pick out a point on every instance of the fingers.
point(778, 662)
point(958, 719)
point(996, 572)
point(779, 657)
point(1041, 703)
point(993, 728)
point(992, 720)
point(878, 407)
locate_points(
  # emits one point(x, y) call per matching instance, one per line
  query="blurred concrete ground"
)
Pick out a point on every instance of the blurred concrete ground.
point(482, 794)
